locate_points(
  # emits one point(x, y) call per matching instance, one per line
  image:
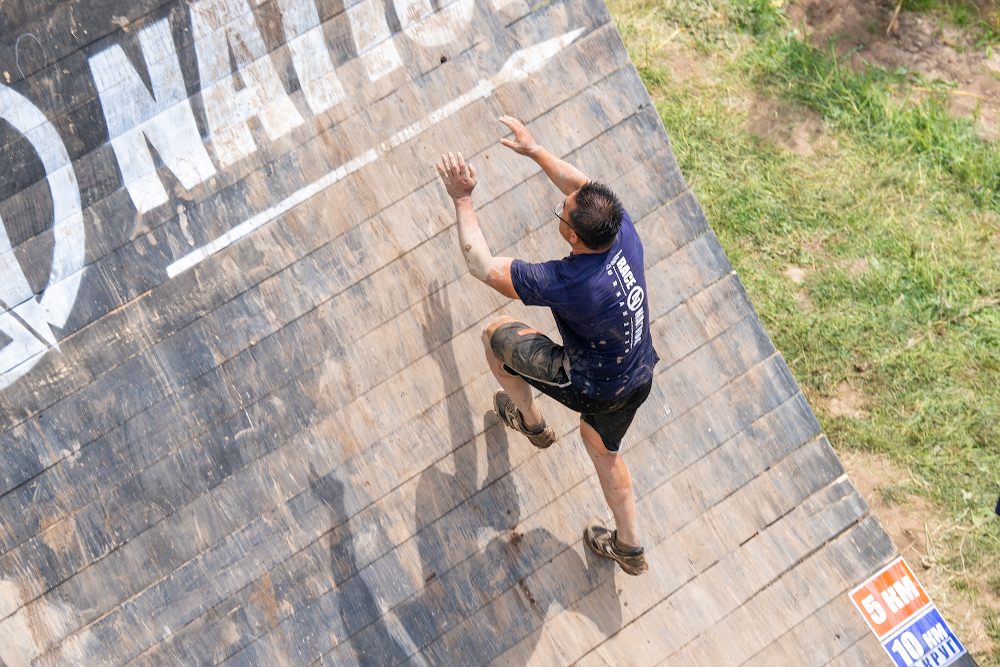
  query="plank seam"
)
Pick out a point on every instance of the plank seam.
point(814, 551)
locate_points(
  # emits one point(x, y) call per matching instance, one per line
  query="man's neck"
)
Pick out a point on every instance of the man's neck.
point(580, 249)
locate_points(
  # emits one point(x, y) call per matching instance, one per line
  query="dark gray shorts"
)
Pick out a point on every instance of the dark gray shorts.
point(543, 364)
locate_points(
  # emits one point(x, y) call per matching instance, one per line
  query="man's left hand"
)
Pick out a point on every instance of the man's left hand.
point(459, 178)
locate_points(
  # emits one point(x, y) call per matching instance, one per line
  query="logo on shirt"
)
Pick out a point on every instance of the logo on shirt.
point(635, 315)
point(635, 298)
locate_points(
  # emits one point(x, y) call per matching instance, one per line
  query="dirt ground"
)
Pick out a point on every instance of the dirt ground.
point(910, 521)
point(922, 43)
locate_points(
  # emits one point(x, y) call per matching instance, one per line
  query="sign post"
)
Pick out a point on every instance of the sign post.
point(906, 622)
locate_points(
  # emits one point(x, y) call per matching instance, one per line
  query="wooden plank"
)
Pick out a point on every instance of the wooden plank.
point(296, 604)
point(147, 253)
point(796, 596)
point(250, 341)
point(131, 497)
point(105, 510)
point(447, 533)
point(541, 492)
point(105, 598)
point(71, 81)
point(720, 348)
point(206, 342)
point(686, 613)
point(700, 537)
point(820, 638)
point(153, 243)
point(667, 573)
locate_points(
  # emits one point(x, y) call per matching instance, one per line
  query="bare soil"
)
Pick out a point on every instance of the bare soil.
point(794, 128)
point(849, 401)
point(922, 43)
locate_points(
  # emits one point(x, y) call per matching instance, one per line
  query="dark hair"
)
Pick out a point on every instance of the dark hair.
point(597, 216)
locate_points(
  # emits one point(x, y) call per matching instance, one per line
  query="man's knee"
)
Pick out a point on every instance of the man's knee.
point(493, 326)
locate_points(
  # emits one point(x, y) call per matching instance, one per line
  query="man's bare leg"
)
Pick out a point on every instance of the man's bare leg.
point(616, 482)
point(520, 392)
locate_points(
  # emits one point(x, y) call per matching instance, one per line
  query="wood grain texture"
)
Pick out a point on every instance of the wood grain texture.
point(286, 455)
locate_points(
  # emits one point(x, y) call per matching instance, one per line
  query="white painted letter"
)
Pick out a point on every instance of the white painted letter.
point(165, 118)
point(371, 37)
point(218, 26)
point(891, 598)
point(874, 609)
point(68, 252)
point(427, 28)
point(310, 56)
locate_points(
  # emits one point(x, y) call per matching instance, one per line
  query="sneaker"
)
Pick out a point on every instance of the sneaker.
point(511, 416)
point(603, 543)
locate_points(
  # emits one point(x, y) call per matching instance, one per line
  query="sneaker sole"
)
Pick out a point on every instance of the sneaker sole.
point(542, 440)
point(627, 568)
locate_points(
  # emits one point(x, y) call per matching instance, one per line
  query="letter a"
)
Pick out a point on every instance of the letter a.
point(221, 25)
point(164, 118)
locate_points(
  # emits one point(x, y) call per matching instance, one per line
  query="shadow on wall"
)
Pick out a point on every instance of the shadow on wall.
point(470, 550)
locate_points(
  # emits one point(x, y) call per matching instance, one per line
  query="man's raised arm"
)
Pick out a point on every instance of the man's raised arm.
point(459, 180)
point(566, 177)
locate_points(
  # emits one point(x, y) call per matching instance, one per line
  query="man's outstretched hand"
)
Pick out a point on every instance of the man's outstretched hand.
point(523, 142)
point(459, 178)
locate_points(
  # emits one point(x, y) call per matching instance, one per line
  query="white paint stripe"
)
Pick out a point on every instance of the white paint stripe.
point(518, 66)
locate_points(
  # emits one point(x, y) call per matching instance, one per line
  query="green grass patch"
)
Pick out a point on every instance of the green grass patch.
point(982, 17)
point(895, 222)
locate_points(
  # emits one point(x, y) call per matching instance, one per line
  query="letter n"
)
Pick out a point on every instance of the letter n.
point(221, 27)
point(164, 118)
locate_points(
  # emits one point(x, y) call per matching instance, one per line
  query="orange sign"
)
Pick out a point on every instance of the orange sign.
point(890, 597)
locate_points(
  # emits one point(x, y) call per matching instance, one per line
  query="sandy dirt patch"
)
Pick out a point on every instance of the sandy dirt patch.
point(795, 273)
point(848, 401)
point(921, 43)
point(794, 128)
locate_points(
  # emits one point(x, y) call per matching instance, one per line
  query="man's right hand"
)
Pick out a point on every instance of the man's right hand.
point(459, 178)
point(523, 142)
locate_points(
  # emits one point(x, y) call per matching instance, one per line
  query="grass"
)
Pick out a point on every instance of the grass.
point(895, 222)
point(982, 17)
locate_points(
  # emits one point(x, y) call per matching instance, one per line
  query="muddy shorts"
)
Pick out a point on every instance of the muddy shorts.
point(544, 365)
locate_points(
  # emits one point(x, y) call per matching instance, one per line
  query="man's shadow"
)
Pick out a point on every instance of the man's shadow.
point(468, 536)
point(470, 548)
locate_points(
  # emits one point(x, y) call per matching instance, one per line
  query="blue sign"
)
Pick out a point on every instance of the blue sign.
point(926, 641)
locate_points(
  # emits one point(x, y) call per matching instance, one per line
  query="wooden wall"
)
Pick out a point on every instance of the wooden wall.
point(245, 411)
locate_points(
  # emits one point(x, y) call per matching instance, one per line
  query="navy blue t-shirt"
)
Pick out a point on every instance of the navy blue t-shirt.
point(600, 306)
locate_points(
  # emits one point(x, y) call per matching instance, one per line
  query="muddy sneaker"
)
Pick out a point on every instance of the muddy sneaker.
point(602, 542)
point(511, 416)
